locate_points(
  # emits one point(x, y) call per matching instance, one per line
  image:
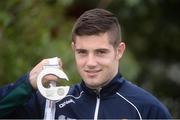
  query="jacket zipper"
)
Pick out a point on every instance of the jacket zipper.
point(97, 108)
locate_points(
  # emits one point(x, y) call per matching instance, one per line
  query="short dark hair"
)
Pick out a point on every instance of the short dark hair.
point(96, 21)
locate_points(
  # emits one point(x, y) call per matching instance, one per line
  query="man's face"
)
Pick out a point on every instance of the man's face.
point(96, 59)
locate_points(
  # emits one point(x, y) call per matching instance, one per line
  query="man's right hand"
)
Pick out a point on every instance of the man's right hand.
point(37, 69)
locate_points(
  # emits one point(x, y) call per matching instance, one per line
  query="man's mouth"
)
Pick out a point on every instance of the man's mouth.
point(92, 73)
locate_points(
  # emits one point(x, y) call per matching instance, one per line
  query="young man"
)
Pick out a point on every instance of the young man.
point(103, 92)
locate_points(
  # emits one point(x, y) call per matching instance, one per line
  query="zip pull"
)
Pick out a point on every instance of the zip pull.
point(97, 91)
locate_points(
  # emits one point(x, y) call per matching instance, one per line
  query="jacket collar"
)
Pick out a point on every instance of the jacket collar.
point(107, 90)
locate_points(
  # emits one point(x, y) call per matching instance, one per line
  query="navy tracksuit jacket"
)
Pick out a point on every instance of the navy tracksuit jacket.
point(120, 99)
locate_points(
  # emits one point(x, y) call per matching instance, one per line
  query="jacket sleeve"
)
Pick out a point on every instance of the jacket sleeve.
point(19, 100)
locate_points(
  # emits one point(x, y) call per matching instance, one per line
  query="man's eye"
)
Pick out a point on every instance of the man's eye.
point(81, 52)
point(101, 52)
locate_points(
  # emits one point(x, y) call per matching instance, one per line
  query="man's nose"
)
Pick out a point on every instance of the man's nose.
point(91, 60)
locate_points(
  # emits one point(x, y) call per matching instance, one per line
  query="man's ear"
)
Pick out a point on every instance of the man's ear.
point(120, 50)
point(73, 46)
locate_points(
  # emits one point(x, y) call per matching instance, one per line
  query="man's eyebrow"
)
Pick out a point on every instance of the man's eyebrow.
point(102, 49)
point(79, 49)
point(98, 49)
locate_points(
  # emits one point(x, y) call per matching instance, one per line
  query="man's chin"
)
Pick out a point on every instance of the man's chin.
point(92, 85)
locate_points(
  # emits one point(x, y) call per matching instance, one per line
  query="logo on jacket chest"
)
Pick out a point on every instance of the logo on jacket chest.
point(63, 104)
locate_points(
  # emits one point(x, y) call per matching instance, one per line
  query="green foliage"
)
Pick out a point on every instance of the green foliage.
point(31, 31)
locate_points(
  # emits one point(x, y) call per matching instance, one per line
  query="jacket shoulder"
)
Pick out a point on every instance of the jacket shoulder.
point(147, 103)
